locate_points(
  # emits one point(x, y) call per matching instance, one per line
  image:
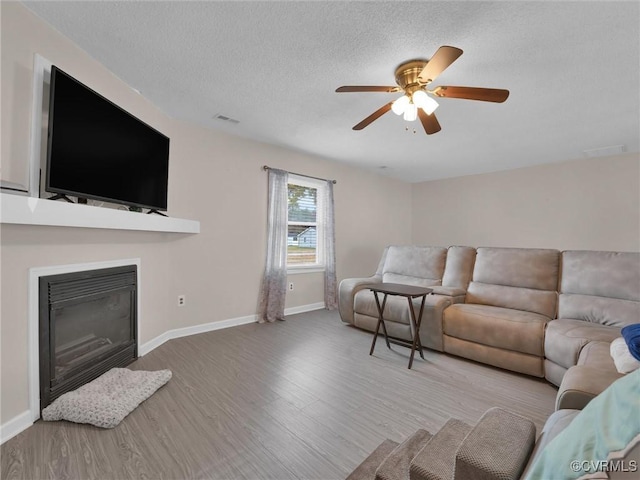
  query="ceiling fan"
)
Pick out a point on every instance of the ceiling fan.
point(412, 78)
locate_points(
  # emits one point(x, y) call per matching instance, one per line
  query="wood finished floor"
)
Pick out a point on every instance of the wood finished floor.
point(299, 399)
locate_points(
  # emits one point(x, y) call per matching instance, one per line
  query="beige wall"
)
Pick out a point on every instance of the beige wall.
point(583, 204)
point(219, 270)
point(589, 204)
point(224, 186)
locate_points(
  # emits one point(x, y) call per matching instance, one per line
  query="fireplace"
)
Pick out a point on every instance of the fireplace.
point(87, 325)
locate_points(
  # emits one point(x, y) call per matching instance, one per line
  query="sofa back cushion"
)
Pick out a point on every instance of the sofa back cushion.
point(383, 259)
point(458, 268)
point(600, 287)
point(519, 278)
point(411, 265)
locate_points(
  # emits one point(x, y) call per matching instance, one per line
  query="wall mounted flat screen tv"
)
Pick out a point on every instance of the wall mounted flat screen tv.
point(98, 150)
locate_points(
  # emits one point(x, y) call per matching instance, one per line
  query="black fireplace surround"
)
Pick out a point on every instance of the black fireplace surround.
point(88, 325)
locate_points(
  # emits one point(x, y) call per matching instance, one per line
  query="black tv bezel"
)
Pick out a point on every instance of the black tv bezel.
point(54, 71)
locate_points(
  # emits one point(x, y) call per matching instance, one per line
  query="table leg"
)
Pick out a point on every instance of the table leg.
point(380, 321)
point(419, 323)
point(416, 330)
point(384, 325)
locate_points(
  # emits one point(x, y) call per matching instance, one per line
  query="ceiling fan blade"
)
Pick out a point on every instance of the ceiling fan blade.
point(374, 116)
point(366, 88)
point(444, 57)
point(473, 93)
point(429, 122)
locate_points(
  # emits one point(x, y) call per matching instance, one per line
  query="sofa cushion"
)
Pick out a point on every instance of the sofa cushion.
point(449, 291)
point(458, 268)
point(583, 383)
point(565, 338)
point(517, 278)
point(528, 299)
point(600, 310)
point(409, 280)
point(497, 327)
point(396, 309)
point(602, 274)
point(421, 266)
point(598, 355)
point(554, 372)
point(517, 267)
point(394, 329)
point(600, 287)
point(498, 357)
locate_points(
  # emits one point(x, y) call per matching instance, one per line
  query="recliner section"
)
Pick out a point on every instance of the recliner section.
point(411, 265)
point(510, 300)
point(599, 294)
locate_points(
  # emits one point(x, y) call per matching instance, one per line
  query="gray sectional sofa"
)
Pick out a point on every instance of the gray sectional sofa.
point(539, 312)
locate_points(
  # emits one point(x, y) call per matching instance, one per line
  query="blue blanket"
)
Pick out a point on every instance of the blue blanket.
point(631, 334)
point(609, 423)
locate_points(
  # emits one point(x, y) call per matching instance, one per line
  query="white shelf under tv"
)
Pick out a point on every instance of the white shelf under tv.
point(24, 210)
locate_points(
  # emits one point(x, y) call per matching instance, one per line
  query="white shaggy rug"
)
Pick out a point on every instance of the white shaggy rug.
point(105, 401)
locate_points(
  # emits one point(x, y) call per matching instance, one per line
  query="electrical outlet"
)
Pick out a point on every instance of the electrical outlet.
point(182, 300)
point(291, 287)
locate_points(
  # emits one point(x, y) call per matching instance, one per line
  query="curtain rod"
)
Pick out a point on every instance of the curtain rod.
point(267, 167)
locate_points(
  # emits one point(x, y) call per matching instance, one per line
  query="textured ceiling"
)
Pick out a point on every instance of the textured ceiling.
point(572, 69)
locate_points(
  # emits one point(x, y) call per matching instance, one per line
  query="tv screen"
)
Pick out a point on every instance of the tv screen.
point(97, 150)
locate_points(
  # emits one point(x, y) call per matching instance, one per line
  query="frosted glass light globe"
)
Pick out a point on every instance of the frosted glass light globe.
point(411, 112)
point(398, 107)
point(424, 101)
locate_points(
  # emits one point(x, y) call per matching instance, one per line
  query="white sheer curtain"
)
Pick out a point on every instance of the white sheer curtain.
point(274, 283)
point(330, 287)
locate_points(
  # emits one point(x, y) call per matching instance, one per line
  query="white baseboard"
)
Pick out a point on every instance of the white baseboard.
point(304, 308)
point(145, 348)
point(209, 327)
point(194, 330)
point(16, 425)
point(21, 422)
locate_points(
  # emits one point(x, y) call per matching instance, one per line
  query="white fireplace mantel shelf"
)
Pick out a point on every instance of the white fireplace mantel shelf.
point(23, 210)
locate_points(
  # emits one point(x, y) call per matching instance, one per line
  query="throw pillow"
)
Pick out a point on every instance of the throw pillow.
point(625, 362)
point(609, 424)
point(631, 334)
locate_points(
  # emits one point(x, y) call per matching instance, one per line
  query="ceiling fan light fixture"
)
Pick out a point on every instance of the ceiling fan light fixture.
point(424, 101)
point(411, 112)
point(417, 101)
point(399, 106)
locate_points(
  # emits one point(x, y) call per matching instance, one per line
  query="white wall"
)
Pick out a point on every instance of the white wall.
point(590, 204)
point(219, 269)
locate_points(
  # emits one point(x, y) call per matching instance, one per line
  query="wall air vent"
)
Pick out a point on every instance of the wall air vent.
point(224, 118)
point(605, 151)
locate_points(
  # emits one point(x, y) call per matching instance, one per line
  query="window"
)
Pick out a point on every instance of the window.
point(304, 233)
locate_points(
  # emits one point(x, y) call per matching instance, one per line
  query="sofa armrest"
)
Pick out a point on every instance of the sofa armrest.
point(555, 424)
point(581, 384)
point(347, 290)
point(455, 294)
point(431, 327)
point(497, 448)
